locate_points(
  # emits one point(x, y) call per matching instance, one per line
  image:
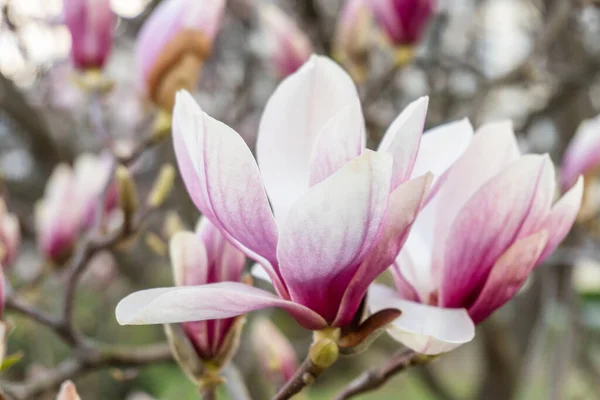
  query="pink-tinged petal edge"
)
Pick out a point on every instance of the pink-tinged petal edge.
point(404, 205)
point(404, 288)
point(583, 153)
point(508, 275)
point(402, 139)
point(188, 259)
point(224, 182)
point(425, 329)
point(561, 218)
point(206, 302)
point(331, 229)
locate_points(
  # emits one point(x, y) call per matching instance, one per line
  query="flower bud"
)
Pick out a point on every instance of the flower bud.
point(275, 353)
point(323, 353)
point(284, 43)
point(352, 38)
point(403, 21)
point(162, 186)
point(128, 197)
point(172, 60)
point(68, 391)
point(10, 236)
point(91, 25)
point(198, 258)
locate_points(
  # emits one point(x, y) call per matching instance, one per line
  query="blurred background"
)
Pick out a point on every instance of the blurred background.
point(535, 62)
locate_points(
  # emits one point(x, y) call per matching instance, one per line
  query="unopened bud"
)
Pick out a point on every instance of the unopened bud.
point(324, 353)
point(128, 197)
point(161, 127)
point(352, 38)
point(172, 224)
point(162, 186)
point(403, 21)
point(275, 353)
point(68, 391)
point(156, 244)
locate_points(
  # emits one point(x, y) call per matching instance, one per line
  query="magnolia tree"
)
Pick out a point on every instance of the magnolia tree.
point(359, 165)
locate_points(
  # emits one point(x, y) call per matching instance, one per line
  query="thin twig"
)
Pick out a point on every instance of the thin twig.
point(305, 375)
point(377, 377)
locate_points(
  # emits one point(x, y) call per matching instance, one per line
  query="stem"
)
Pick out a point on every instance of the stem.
point(376, 377)
point(208, 392)
point(304, 376)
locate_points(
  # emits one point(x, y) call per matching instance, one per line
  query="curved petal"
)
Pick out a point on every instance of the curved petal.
point(206, 302)
point(508, 275)
point(404, 205)
point(331, 229)
point(402, 139)
point(404, 288)
point(341, 140)
point(583, 153)
point(415, 262)
point(188, 259)
point(224, 182)
point(441, 146)
point(425, 329)
point(293, 117)
point(486, 226)
point(561, 218)
point(226, 260)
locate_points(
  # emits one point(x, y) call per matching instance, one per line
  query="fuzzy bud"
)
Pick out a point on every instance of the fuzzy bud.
point(162, 186)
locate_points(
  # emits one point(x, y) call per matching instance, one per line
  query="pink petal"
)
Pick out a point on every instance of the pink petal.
point(441, 146)
point(422, 328)
point(226, 260)
point(341, 140)
point(404, 288)
point(224, 182)
point(404, 204)
point(583, 153)
point(293, 117)
point(188, 259)
point(402, 139)
point(206, 302)
point(508, 275)
point(561, 218)
point(331, 229)
point(486, 226)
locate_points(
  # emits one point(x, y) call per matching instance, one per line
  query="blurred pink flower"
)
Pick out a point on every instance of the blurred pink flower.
point(275, 352)
point(352, 37)
point(340, 214)
point(403, 21)
point(10, 236)
point(201, 258)
point(285, 45)
point(177, 36)
point(69, 204)
point(91, 23)
point(68, 391)
point(488, 224)
point(582, 156)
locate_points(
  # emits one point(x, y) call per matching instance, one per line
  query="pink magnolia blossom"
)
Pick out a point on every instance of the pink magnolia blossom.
point(91, 23)
point(488, 224)
point(176, 32)
point(285, 44)
point(10, 236)
point(69, 204)
point(200, 258)
point(275, 352)
point(340, 212)
point(582, 156)
point(403, 21)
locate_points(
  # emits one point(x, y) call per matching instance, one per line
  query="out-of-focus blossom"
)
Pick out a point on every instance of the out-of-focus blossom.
point(10, 236)
point(489, 223)
point(204, 257)
point(69, 204)
point(91, 23)
point(582, 157)
point(275, 352)
point(284, 43)
point(68, 391)
point(352, 37)
point(340, 214)
point(403, 21)
point(172, 46)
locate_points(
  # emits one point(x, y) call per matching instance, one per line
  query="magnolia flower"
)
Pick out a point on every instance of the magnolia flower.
point(351, 41)
point(582, 157)
point(275, 352)
point(69, 204)
point(403, 21)
point(91, 24)
point(489, 223)
point(10, 236)
point(199, 258)
point(286, 46)
point(340, 214)
point(172, 46)
point(68, 391)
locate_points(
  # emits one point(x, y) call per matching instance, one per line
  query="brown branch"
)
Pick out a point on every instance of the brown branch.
point(305, 375)
point(377, 377)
